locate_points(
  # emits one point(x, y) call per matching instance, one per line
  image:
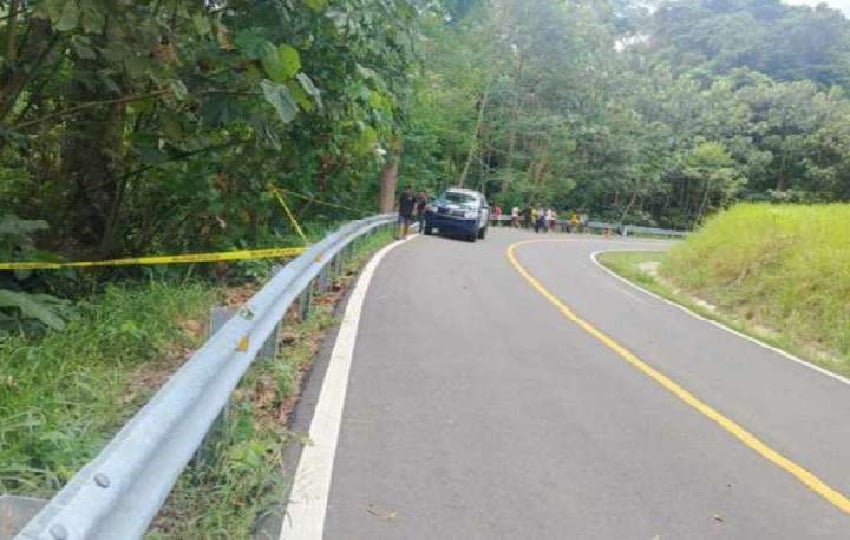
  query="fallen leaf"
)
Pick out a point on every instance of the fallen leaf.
point(387, 516)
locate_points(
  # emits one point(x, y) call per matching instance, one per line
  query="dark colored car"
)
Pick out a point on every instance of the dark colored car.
point(461, 212)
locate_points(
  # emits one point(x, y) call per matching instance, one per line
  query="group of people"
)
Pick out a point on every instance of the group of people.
point(546, 219)
point(410, 205)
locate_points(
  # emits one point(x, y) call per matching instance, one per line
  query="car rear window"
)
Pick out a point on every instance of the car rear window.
point(459, 198)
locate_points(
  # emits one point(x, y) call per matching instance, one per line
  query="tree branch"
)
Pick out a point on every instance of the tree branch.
point(89, 104)
point(126, 99)
point(10, 31)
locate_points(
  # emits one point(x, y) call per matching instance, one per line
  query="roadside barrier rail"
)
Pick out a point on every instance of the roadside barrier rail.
point(602, 226)
point(118, 493)
point(656, 231)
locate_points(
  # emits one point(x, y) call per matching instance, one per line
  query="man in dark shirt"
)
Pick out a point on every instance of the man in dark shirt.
point(406, 204)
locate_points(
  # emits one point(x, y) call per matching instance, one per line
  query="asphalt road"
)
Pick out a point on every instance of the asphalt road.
point(475, 409)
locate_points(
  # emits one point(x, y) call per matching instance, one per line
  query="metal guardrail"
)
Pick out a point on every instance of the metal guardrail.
point(657, 231)
point(118, 493)
point(603, 226)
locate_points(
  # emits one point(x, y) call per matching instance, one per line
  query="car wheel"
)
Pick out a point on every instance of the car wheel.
point(472, 237)
point(482, 232)
point(428, 230)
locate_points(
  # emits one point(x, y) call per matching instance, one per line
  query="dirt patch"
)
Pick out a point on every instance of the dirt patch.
point(650, 267)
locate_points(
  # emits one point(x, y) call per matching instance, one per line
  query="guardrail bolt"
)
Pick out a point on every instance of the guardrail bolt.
point(102, 480)
point(59, 532)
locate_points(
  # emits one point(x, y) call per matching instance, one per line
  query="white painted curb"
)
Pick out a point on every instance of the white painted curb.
point(786, 354)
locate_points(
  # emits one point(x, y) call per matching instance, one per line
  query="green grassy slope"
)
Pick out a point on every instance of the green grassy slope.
point(784, 267)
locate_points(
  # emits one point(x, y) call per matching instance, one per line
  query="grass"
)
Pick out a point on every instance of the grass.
point(780, 273)
point(64, 395)
point(239, 480)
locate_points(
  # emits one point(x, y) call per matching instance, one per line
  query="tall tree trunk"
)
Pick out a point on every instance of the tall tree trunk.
point(20, 69)
point(389, 182)
point(476, 136)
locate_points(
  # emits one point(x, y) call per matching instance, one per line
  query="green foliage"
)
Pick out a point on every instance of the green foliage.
point(144, 126)
point(44, 308)
point(22, 311)
point(780, 266)
point(653, 118)
point(62, 396)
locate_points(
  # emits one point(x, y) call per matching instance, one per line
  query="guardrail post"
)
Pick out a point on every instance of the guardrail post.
point(15, 512)
point(304, 301)
point(323, 280)
point(271, 345)
point(219, 315)
point(337, 266)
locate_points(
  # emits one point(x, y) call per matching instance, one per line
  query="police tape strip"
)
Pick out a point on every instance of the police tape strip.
point(165, 259)
point(289, 213)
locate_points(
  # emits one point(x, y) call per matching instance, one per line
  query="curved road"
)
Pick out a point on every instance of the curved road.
point(477, 409)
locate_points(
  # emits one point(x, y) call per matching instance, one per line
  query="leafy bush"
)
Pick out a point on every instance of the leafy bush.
point(19, 310)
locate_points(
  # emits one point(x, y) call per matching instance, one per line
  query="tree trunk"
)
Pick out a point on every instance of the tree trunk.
point(476, 135)
point(389, 182)
point(21, 69)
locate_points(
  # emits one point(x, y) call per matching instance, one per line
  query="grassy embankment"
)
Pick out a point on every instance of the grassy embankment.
point(780, 273)
point(63, 395)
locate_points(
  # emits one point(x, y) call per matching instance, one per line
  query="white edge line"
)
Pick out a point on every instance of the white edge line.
point(307, 504)
point(786, 354)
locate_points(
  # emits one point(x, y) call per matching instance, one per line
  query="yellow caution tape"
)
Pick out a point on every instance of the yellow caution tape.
point(164, 259)
point(289, 213)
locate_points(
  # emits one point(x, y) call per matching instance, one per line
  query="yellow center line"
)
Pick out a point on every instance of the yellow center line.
point(736, 430)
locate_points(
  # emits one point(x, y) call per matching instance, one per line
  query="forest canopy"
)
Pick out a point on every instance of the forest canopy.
point(132, 127)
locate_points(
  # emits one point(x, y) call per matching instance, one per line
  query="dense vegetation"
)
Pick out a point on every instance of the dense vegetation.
point(157, 126)
point(658, 117)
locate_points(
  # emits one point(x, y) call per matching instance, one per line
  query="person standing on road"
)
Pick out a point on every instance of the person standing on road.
point(575, 223)
point(539, 220)
point(406, 205)
point(515, 217)
point(421, 203)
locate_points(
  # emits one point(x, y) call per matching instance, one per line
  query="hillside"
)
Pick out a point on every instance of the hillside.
point(785, 268)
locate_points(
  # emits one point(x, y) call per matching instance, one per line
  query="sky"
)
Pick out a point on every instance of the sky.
point(843, 5)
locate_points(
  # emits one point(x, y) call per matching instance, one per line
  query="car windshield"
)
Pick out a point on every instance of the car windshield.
point(463, 199)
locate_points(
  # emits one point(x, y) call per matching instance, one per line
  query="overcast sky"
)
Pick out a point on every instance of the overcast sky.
point(843, 5)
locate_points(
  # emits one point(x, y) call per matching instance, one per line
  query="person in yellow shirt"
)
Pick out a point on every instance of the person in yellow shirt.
point(575, 223)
